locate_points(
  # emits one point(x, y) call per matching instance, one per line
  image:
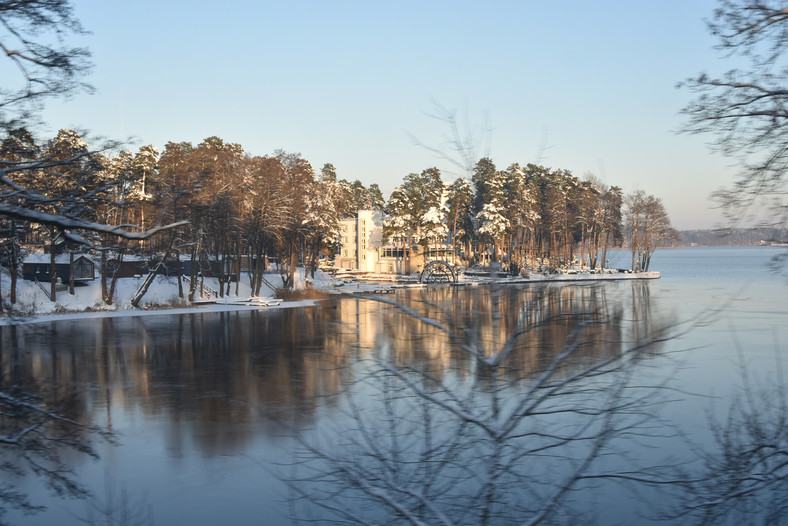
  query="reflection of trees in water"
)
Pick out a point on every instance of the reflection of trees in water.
point(51, 373)
point(203, 370)
point(55, 372)
point(538, 318)
point(215, 377)
point(485, 406)
point(43, 429)
point(206, 375)
point(219, 372)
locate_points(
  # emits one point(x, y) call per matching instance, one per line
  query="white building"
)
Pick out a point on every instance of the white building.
point(363, 248)
point(361, 238)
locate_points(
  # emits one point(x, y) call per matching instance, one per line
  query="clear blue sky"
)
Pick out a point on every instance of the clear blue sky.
point(578, 85)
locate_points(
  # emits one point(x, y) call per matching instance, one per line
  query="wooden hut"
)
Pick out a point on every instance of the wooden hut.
point(36, 267)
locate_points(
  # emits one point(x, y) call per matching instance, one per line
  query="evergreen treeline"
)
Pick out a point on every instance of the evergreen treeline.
point(525, 216)
point(276, 207)
point(733, 236)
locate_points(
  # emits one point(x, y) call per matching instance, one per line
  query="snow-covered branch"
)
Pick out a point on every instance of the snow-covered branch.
point(70, 223)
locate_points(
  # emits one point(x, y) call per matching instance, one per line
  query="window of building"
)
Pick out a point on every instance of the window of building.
point(392, 252)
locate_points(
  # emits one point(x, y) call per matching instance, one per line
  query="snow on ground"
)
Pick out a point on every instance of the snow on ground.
point(33, 305)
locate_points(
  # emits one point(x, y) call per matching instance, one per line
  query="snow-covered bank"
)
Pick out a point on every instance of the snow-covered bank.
point(585, 275)
point(34, 306)
point(196, 309)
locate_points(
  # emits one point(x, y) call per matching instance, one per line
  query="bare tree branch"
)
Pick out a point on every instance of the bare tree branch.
point(745, 111)
point(433, 447)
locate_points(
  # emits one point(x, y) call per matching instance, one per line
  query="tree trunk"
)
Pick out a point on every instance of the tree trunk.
point(193, 274)
point(14, 263)
point(103, 276)
point(259, 268)
point(454, 236)
point(179, 273)
point(292, 270)
point(114, 279)
point(52, 269)
point(135, 300)
point(408, 249)
point(239, 252)
point(71, 273)
point(315, 257)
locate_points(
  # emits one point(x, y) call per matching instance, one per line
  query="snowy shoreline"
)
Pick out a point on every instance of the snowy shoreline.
point(34, 306)
point(196, 309)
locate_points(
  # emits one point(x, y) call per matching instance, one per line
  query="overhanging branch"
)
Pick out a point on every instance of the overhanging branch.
point(72, 223)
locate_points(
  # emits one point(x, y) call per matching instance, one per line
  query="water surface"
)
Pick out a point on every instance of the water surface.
point(209, 407)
